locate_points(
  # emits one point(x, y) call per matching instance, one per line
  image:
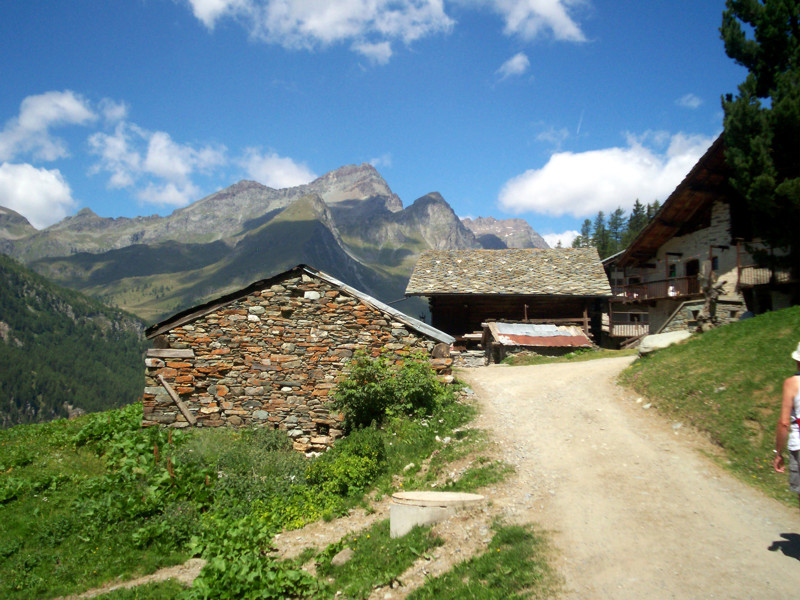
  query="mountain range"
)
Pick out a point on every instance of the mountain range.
point(348, 223)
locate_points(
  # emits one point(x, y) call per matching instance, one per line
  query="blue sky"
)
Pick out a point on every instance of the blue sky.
point(549, 110)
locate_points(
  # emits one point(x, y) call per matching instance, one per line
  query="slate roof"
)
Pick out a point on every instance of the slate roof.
point(191, 314)
point(706, 182)
point(530, 271)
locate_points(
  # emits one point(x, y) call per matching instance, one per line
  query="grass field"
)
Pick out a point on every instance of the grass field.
point(727, 383)
point(99, 500)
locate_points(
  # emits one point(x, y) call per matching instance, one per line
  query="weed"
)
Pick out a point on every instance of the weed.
point(513, 566)
point(377, 559)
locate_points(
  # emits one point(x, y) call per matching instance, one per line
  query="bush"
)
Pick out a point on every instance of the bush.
point(350, 466)
point(373, 389)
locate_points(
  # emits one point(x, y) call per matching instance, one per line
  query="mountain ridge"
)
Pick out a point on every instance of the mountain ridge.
point(347, 222)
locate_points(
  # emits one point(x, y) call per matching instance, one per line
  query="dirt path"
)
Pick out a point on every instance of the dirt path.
point(635, 509)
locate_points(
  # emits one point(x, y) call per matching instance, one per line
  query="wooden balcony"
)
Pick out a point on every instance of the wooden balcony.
point(629, 330)
point(664, 288)
point(753, 275)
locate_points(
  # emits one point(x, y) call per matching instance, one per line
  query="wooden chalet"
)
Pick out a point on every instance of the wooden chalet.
point(466, 288)
point(702, 230)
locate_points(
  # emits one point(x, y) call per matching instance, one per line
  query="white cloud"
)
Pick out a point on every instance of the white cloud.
point(208, 11)
point(169, 193)
point(649, 167)
point(40, 195)
point(565, 238)
point(516, 65)
point(369, 25)
point(113, 111)
point(378, 53)
point(553, 136)
point(528, 19)
point(689, 101)
point(276, 171)
point(176, 162)
point(29, 131)
point(384, 160)
point(161, 168)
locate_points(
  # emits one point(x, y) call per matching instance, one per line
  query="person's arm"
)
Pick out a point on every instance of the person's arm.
point(782, 430)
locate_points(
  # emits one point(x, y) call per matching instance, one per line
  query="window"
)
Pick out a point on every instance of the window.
point(672, 271)
point(715, 263)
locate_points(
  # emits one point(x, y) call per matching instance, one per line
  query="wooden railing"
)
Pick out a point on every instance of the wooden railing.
point(754, 275)
point(629, 329)
point(664, 288)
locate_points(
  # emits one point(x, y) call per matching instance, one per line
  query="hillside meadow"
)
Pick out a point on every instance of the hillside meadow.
point(727, 384)
point(99, 500)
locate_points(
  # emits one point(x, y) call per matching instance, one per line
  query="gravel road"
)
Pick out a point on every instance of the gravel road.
point(636, 510)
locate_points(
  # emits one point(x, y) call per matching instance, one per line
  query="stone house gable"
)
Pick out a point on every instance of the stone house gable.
point(270, 354)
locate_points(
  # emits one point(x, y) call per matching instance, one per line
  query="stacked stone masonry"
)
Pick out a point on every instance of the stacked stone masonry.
point(272, 358)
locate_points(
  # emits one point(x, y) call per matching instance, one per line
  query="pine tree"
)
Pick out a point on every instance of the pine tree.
point(762, 123)
point(636, 222)
point(616, 231)
point(600, 235)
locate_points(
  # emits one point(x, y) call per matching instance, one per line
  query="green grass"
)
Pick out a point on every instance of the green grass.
point(378, 560)
point(481, 473)
point(521, 360)
point(166, 590)
point(91, 501)
point(727, 383)
point(515, 565)
point(48, 546)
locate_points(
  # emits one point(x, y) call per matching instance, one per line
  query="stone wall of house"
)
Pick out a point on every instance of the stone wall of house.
point(685, 317)
point(696, 246)
point(271, 359)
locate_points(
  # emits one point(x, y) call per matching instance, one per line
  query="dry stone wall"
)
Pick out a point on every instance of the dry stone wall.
point(271, 359)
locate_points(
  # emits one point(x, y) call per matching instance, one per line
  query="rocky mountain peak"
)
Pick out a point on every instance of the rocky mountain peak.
point(13, 225)
point(504, 233)
point(355, 182)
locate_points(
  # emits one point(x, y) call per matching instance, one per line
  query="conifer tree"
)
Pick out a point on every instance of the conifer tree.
point(762, 122)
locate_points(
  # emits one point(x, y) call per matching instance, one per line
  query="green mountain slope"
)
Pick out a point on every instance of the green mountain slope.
point(60, 350)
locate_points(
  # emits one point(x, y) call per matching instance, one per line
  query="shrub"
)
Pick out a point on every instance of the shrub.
point(350, 466)
point(373, 389)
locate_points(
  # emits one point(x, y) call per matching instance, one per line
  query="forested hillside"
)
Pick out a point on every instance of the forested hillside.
point(60, 350)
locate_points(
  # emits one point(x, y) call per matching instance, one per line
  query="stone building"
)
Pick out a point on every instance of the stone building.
point(702, 231)
point(270, 354)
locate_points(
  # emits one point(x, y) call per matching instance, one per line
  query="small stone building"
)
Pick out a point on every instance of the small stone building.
point(270, 354)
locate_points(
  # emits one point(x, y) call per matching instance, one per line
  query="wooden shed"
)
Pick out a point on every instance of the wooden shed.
point(466, 288)
point(270, 353)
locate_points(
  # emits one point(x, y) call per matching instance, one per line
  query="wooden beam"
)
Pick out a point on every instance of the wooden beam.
point(586, 320)
point(176, 399)
point(170, 353)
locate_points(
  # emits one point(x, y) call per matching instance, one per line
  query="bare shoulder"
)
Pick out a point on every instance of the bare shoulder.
point(791, 384)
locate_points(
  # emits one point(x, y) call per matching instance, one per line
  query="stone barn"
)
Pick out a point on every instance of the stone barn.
point(270, 354)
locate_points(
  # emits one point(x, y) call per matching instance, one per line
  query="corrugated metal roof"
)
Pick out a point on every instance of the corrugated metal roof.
point(538, 335)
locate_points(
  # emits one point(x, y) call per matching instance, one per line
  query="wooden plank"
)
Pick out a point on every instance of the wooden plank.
point(181, 405)
point(170, 353)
